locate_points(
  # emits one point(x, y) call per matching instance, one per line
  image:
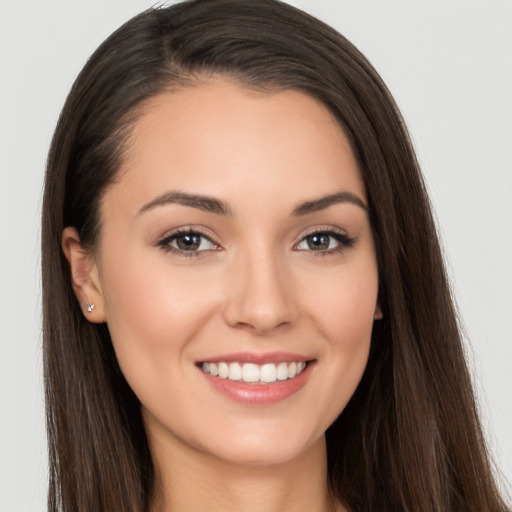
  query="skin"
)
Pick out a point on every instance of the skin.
point(258, 286)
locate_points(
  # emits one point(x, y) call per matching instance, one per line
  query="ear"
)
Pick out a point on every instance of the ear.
point(84, 276)
point(378, 313)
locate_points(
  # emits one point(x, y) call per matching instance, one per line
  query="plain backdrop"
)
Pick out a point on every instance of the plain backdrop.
point(448, 64)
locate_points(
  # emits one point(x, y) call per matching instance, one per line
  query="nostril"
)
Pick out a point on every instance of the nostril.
point(259, 299)
point(261, 327)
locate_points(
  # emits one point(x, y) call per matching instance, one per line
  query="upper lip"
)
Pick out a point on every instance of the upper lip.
point(257, 358)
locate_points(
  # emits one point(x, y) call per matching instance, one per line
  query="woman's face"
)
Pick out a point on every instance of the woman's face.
point(235, 253)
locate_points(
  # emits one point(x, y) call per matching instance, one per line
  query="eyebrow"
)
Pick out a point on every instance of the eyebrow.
point(219, 207)
point(324, 202)
point(201, 202)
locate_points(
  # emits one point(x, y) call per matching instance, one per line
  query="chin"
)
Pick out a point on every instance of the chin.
point(265, 448)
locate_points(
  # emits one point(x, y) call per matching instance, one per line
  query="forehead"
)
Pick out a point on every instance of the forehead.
point(223, 139)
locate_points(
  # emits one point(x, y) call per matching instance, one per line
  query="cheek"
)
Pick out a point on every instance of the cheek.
point(344, 313)
point(344, 303)
point(152, 314)
point(146, 294)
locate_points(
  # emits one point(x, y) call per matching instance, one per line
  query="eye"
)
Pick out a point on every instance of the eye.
point(325, 242)
point(188, 241)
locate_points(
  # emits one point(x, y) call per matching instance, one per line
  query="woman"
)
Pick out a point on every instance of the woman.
point(232, 197)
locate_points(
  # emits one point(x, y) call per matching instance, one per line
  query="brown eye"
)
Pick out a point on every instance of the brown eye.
point(318, 242)
point(325, 242)
point(190, 241)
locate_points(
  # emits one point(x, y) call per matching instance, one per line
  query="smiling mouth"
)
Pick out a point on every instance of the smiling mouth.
point(252, 373)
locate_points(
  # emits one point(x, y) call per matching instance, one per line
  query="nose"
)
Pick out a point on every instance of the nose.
point(260, 295)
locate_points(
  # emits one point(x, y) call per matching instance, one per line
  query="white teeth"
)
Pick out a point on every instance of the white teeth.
point(223, 370)
point(214, 369)
point(282, 371)
point(250, 372)
point(235, 372)
point(268, 373)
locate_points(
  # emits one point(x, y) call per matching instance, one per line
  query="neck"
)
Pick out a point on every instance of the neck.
point(187, 480)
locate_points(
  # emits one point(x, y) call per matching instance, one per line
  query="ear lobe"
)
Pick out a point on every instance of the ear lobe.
point(84, 276)
point(378, 313)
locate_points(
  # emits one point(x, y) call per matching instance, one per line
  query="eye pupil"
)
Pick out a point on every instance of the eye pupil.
point(318, 241)
point(189, 242)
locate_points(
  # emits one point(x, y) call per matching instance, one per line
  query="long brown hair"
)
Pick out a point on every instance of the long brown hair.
point(409, 439)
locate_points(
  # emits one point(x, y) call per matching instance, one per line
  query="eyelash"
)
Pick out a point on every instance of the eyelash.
point(165, 242)
point(344, 242)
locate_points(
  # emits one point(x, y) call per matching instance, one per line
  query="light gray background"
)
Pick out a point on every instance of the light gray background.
point(449, 65)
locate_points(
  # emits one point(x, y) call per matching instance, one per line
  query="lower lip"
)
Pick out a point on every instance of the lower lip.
point(259, 394)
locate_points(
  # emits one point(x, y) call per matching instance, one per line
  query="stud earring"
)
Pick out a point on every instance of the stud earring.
point(89, 307)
